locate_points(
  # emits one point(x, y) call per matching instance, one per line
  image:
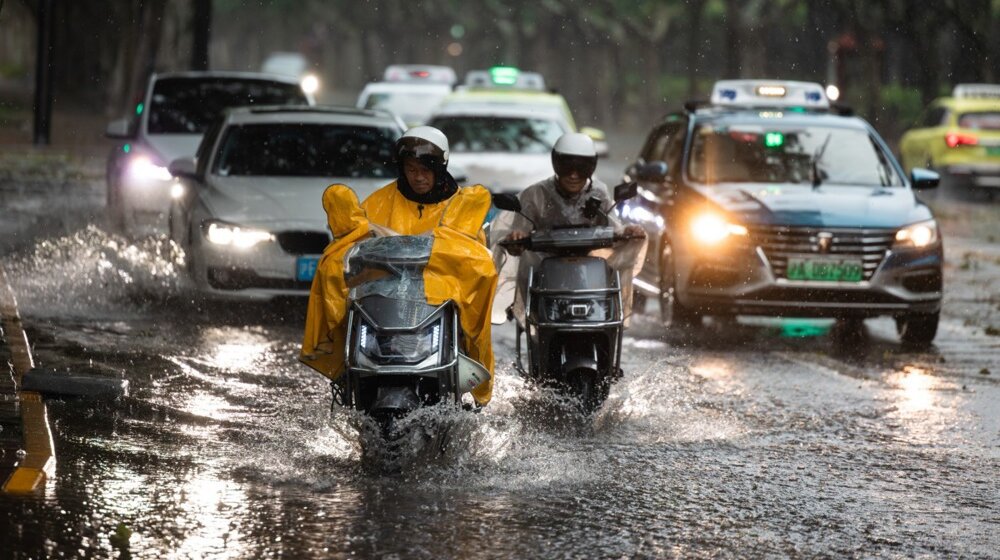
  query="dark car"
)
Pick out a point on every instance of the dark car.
point(765, 202)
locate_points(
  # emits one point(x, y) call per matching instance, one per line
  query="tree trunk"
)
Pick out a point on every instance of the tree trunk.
point(201, 25)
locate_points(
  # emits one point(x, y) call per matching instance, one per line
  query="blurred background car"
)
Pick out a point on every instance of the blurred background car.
point(295, 65)
point(505, 86)
point(247, 211)
point(411, 91)
point(505, 148)
point(764, 202)
point(168, 123)
point(960, 137)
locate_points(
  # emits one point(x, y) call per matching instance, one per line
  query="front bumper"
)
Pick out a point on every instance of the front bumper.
point(979, 175)
point(267, 270)
point(748, 283)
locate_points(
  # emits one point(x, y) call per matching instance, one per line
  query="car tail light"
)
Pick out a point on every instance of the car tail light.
point(955, 139)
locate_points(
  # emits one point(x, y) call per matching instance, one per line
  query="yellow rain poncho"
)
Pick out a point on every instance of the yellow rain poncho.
point(324, 340)
point(460, 268)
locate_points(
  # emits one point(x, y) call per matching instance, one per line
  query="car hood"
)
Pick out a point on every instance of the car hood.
point(503, 172)
point(169, 147)
point(277, 202)
point(825, 206)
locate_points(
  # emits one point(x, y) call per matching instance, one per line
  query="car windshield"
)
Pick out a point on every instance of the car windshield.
point(189, 105)
point(307, 150)
point(411, 106)
point(980, 120)
point(500, 134)
point(765, 153)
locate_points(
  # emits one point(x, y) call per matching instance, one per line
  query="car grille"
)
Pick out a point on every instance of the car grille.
point(303, 242)
point(781, 242)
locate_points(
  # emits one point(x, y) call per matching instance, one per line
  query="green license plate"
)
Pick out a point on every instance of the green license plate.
point(993, 150)
point(825, 270)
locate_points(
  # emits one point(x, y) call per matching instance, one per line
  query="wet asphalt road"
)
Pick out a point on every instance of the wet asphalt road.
point(756, 438)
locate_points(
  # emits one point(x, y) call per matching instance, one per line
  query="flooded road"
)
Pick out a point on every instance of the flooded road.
point(750, 438)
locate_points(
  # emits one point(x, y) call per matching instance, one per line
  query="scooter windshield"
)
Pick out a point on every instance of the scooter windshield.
point(392, 267)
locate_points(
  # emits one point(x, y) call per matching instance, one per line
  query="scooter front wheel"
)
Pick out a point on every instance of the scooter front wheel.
point(589, 388)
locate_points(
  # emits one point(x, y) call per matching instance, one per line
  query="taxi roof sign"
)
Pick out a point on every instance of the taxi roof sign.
point(417, 73)
point(769, 93)
point(976, 91)
point(505, 77)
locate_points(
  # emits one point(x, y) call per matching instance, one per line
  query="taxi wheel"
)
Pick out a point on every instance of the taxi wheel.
point(917, 330)
point(672, 312)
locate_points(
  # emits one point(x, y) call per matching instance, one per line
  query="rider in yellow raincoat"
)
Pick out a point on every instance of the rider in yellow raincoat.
point(425, 200)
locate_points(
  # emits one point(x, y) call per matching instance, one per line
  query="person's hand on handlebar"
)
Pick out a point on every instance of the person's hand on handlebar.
point(516, 250)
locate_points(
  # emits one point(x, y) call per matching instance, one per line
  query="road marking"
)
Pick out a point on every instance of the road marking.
point(39, 461)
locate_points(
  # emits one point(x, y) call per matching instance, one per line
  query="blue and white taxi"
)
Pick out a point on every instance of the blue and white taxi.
point(766, 201)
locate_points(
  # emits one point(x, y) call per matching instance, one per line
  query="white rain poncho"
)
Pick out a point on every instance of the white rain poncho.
point(549, 208)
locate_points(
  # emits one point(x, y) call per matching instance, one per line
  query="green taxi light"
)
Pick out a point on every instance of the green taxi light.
point(138, 109)
point(127, 148)
point(504, 75)
point(774, 139)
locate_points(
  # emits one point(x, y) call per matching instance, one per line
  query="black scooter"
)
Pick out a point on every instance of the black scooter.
point(573, 308)
point(402, 353)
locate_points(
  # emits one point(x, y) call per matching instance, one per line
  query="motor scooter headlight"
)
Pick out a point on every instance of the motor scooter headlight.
point(918, 235)
point(399, 348)
point(567, 309)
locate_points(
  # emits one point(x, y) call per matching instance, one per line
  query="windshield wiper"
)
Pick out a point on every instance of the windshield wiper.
point(816, 179)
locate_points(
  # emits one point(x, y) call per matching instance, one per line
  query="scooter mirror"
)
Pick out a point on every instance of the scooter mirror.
point(507, 201)
point(626, 191)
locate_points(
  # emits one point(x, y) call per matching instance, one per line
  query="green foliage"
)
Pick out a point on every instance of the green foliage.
point(903, 104)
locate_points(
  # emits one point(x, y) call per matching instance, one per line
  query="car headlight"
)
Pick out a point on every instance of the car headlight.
point(399, 348)
point(310, 83)
point(142, 168)
point(221, 233)
point(575, 309)
point(711, 229)
point(918, 235)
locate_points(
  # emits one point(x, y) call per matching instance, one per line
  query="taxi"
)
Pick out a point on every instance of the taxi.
point(410, 91)
point(960, 137)
point(766, 201)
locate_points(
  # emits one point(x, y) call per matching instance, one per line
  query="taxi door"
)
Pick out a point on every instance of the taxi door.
point(922, 146)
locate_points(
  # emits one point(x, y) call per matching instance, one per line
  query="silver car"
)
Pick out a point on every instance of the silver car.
point(248, 209)
point(167, 123)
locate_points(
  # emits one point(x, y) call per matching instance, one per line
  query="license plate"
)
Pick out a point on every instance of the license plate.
point(825, 270)
point(993, 150)
point(305, 268)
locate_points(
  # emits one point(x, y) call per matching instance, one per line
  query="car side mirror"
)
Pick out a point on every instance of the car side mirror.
point(923, 179)
point(184, 167)
point(626, 191)
point(599, 138)
point(507, 201)
point(119, 129)
point(654, 172)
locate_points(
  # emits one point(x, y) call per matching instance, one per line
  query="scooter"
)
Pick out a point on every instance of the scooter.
point(574, 313)
point(402, 353)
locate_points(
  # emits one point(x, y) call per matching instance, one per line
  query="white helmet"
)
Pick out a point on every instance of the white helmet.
point(425, 143)
point(574, 152)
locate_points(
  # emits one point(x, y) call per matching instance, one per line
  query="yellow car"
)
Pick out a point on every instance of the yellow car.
point(960, 137)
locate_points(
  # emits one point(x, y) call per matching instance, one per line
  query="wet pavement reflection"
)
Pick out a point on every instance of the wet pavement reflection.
point(742, 438)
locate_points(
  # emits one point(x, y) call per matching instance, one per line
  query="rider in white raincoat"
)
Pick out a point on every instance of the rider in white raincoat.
point(570, 197)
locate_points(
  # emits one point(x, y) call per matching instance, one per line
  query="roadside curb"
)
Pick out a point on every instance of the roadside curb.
point(38, 463)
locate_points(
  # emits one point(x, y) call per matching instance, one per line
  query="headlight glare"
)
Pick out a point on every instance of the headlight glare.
point(310, 83)
point(232, 235)
point(918, 235)
point(711, 229)
point(142, 168)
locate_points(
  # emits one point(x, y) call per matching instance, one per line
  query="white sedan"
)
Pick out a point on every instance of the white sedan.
point(504, 148)
point(248, 211)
